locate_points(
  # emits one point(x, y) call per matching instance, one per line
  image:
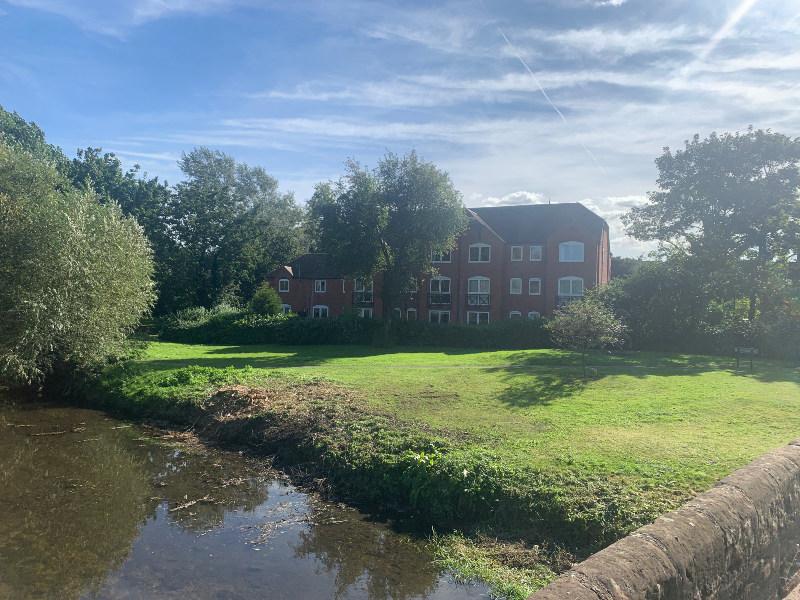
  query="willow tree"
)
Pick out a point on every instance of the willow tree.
point(386, 221)
point(75, 274)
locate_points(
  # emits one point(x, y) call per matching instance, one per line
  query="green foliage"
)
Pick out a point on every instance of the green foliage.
point(74, 274)
point(585, 324)
point(677, 305)
point(231, 225)
point(226, 325)
point(266, 301)
point(17, 133)
point(386, 221)
point(732, 204)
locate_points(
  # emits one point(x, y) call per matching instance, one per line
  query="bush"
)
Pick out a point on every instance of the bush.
point(225, 325)
point(75, 275)
point(266, 301)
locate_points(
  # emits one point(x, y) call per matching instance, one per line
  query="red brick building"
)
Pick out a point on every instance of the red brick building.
point(512, 261)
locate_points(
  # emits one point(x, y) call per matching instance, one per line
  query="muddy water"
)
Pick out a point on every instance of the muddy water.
point(94, 508)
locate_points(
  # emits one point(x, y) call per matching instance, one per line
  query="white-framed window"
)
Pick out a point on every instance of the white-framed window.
point(570, 252)
point(534, 286)
point(514, 313)
point(441, 257)
point(516, 285)
point(365, 312)
point(478, 285)
point(440, 285)
point(516, 253)
point(570, 286)
point(343, 288)
point(286, 308)
point(360, 286)
point(439, 316)
point(480, 253)
point(411, 314)
point(477, 317)
point(320, 311)
point(320, 285)
point(534, 314)
point(536, 253)
point(283, 285)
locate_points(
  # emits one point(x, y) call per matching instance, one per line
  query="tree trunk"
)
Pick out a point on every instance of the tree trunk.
point(583, 363)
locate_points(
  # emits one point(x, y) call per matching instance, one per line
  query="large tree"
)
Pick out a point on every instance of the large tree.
point(232, 226)
point(75, 275)
point(730, 202)
point(386, 221)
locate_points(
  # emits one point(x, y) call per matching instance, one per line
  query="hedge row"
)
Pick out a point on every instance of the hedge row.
point(225, 325)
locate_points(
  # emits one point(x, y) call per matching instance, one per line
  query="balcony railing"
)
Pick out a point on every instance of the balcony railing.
point(564, 300)
point(482, 300)
point(439, 299)
point(364, 298)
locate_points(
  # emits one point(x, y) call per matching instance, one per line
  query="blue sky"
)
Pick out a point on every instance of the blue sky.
point(298, 87)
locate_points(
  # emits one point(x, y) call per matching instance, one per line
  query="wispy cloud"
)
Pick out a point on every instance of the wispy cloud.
point(736, 16)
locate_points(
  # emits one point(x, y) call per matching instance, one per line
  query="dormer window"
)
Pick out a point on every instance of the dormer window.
point(480, 253)
point(570, 252)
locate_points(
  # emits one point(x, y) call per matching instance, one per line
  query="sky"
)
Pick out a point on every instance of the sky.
point(520, 101)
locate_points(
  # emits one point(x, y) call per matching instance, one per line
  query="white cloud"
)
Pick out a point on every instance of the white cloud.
point(610, 3)
point(514, 198)
point(113, 18)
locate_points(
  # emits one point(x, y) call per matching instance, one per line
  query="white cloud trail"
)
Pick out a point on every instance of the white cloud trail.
point(524, 64)
point(735, 17)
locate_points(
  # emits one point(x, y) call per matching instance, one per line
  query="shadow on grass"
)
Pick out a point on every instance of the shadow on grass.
point(537, 387)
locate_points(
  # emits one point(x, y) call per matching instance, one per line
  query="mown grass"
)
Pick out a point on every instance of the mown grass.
point(549, 460)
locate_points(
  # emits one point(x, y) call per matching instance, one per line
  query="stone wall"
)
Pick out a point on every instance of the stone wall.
point(737, 541)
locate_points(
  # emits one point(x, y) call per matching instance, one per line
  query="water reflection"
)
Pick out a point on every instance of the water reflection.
point(94, 508)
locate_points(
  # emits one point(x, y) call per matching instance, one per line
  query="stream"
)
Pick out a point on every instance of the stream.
point(92, 507)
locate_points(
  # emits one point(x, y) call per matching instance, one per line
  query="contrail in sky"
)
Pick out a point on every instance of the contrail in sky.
point(555, 108)
point(735, 17)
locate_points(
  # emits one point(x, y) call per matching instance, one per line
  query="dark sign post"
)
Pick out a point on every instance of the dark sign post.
point(751, 351)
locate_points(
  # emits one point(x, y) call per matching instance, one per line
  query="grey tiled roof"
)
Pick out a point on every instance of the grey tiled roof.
point(537, 222)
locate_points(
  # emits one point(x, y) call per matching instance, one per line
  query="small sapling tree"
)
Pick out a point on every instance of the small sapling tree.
point(266, 301)
point(585, 325)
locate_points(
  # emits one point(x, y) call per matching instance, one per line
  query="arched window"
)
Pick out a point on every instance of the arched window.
point(480, 253)
point(570, 286)
point(320, 311)
point(570, 252)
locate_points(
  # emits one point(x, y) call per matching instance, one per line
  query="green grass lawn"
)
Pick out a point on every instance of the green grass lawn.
point(643, 435)
point(664, 417)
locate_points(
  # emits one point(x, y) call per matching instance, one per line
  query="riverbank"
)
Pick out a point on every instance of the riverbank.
point(532, 467)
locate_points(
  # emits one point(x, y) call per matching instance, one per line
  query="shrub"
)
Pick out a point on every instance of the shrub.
point(225, 325)
point(266, 301)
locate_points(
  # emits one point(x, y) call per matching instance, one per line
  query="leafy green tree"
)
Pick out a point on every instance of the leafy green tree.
point(266, 301)
point(17, 133)
point(75, 275)
point(232, 226)
point(584, 325)
point(386, 221)
point(730, 201)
